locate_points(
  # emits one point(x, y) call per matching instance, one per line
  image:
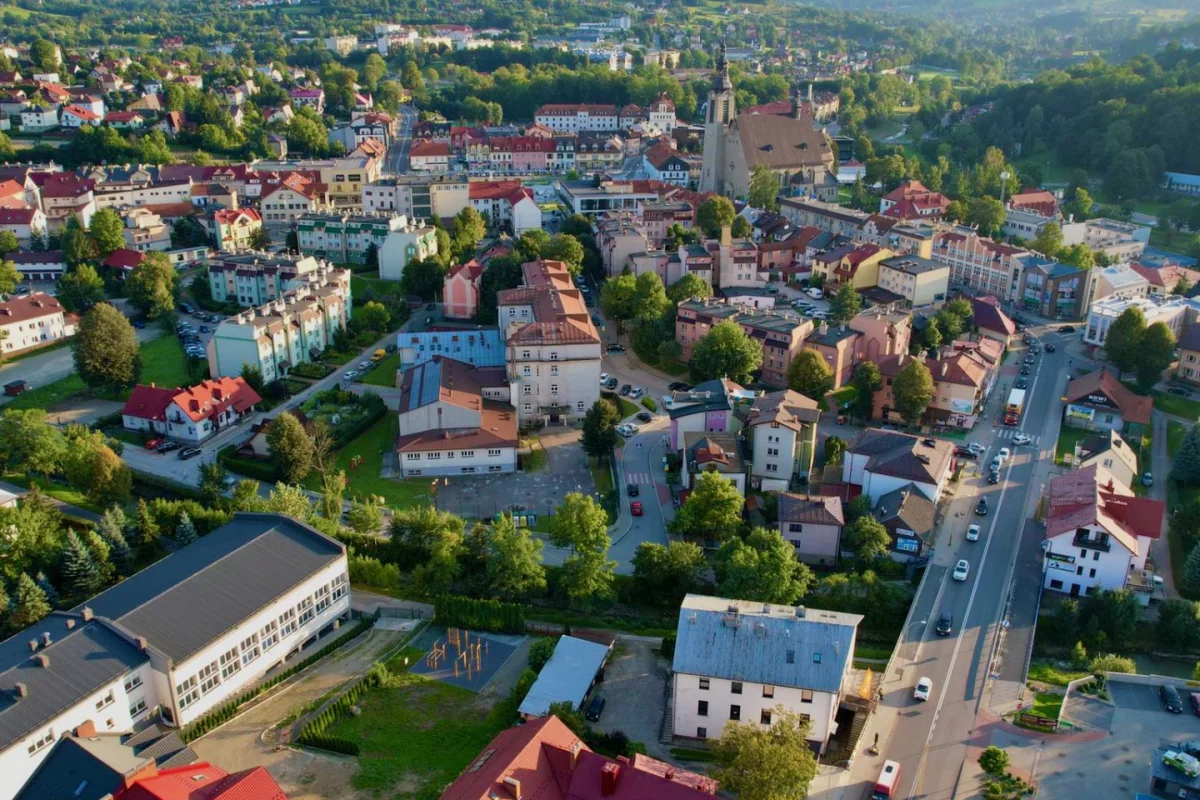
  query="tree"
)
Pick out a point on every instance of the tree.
point(107, 231)
point(987, 214)
point(713, 214)
point(1078, 255)
point(741, 228)
point(912, 390)
point(151, 285)
point(260, 239)
point(726, 351)
point(835, 449)
point(582, 525)
point(764, 188)
point(540, 652)
point(1079, 656)
point(514, 562)
point(1185, 467)
point(47, 588)
point(29, 443)
point(30, 604)
point(810, 375)
point(291, 448)
point(81, 578)
point(95, 469)
point(80, 288)
point(1107, 662)
point(112, 529)
point(651, 299)
point(1123, 344)
point(844, 305)
point(1049, 240)
point(867, 380)
point(45, 55)
point(8, 242)
point(146, 526)
point(1079, 206)
point(423, 277)
point(253, 377)
point(1178, 626)
point(762, 567)
point(185, 531)
point(868, 538)
point(77, 247)
point(106, 350)
point(665, 573)
point(599, 429)
point(374, 316)
point(775, 763)
point(365, 517)
point(213, 477)
point(565, 248)
point(1156, 353)
point(619, 297)
point(1191, 571)
point(689, 286)
point(467, 232)
point(713, 509)
point(993, 760)
point(10, 276)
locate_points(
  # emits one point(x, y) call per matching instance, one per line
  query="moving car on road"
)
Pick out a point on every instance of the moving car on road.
point(188, 452)
point(945, 624)
point(960, 570)
point(632, 489)
point(168, 446)
point(1022, 438)
point(888, 784)
point(349, 375)
point(615, 348)
point(972, 533)
point(636, 509)
point(924, 687)
point(981, 508)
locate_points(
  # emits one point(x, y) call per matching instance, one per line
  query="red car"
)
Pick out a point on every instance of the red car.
point(1194, 697)
point(152, 444)
point(635, 508)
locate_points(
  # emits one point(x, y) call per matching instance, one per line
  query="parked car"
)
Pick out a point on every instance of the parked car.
point(603, 378)
point(1026, 371)
point(1170, 698)
point(679, 386)
point(635, 508)
point(152, 444)
point(945, 624)
point(972, 533)
point(1029, 359)
point(924, 687)
point(645, 416)
point(1050, 348)
point(1067, 329)
point(981, 508)
point(1180, 390)
point(611, 383)
point(188, 452)
point(205, 329)
point(636, 393)
point(814, 293)
point(615, 348)
point(349, 375)
point(137, 323)
point(391, 348)
point(632, 489)
point(595, 708)
point(168, 446)
point(976, 448)
point(431, 307)
point(960, 570)
point(1147, 479)
point(186, 308)
point(964, 452)
point(625, 390)
point(1022, 383)
point(364, 365)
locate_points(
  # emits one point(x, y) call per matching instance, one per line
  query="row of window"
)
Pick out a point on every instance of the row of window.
point(436, 455)
point(735, 687)
point(463, 470)
point(735, 713)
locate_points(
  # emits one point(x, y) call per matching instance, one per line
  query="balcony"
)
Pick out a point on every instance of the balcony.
point(1101, 542)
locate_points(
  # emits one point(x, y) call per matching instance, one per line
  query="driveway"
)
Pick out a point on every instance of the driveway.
point(302, 774)
point(634, 691)
point(484, 496)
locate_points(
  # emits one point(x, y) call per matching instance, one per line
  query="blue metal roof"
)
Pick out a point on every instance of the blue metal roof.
point(479, 348)
point(772, 647)
point(428, 378)
point(567, 675)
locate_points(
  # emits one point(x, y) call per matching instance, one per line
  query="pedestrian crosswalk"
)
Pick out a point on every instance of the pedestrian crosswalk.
point(639, 478)
point(1008, 433)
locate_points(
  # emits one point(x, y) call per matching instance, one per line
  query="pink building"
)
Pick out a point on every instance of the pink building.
point(460, 291)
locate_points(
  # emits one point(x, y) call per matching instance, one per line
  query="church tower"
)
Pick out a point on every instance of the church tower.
point(719, 115)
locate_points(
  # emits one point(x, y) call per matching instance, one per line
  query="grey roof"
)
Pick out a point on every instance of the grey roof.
point(195, 595)
point(567, 675)
point(708, 396)
point(763, 643)
point(909, 507)
point(819, 510)
point(914, 458)
point(82, 660)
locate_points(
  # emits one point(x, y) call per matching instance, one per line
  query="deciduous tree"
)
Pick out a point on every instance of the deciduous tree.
point(764, 188)
point(565, 248)
point(514, 562)
point(618, 297)
point(582, 525)
point(1155, 355)
point(844, 305)
point(151, 285)
point(665, 573)
point(106, 350)
point(726, 351)
point(867, 380)
point(761, 763)
point(689, 286)
point(810, 375)
point(107, 231)
point(291, 448)
point(868, 538)
point(1123, 344)
point(599, 429)
point(80, 289)
point(912, 390)
point(29, 443)
point(761, 567)
point(713, 214)
point(713, 509)
point(10, 276)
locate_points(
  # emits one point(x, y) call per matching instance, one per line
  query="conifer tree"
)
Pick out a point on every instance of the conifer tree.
point(80, 577)
point(47, 589)
point(185, 531)
point(29, 605)
point(147, 527)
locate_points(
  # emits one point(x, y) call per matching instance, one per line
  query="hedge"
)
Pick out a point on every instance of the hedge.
point(150, 479)
point(313, 733)
point(307, 369)
point(249, 467)
point(649, 403)
point(487, 615)
point(219, 716)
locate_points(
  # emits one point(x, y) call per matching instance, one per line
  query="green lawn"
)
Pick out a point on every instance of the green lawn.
point(1047, 672)
point(374, 442)
point(1047, 705)
point(419, 736)
point(165, 364)
point(1175, 405)
point(837, 399)
point(537, 460)
point(50, 395)
point(1175, 433)
point(63, 494)
point(1067, 438)
point(385, 373)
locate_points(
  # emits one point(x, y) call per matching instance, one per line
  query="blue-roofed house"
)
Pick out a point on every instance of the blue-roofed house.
point(482, 347)
point(737, 660)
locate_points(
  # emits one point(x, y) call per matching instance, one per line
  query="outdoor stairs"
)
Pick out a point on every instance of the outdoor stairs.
point(666, 732)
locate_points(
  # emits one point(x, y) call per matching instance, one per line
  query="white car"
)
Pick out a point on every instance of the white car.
point(976, 448)
point(924, 687)
point(636, 393)
point(349, 375)
point(814, 293)
point(1022, 438)
point(603, 378)
point(1004, 454)
point(973, 533)
point(960, 570)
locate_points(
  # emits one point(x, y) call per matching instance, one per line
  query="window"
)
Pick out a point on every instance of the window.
point(768, 691)
point(1092, 572)
point(305, 608)
point(494, 453)
point(495, 468)
point(137, 706)
point(554, 388)
point(816, 658)
point(209, 677)
point(132, 681)
point(806, 696)
point(702, 708)
point(791, 656)
point(467, 453)
point(735, 713)
point(187, 692)
point(701, 733)
point(704, 684)
point(339, 586)
point(287, 621)
point(1096, 555)
point(42, 741)
point(1056, 584)
point(765, 717)
point(106, 700)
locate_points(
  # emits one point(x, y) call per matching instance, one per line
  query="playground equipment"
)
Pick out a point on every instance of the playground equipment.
point(467, 656)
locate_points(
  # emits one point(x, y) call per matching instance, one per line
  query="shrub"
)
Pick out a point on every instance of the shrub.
point(649, 403)
point(541, 651)
point(668, 646)
point(1112, 663)
point(524, 684)
point(993, 760)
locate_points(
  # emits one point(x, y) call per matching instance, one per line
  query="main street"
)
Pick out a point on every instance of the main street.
point(397, 156)
point(930, 739)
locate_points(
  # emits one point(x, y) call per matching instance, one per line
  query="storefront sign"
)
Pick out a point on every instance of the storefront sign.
point(1085, 413)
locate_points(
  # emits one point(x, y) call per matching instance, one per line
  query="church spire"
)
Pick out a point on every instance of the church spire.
point(721, 80)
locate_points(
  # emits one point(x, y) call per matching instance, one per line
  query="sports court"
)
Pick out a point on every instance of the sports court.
point(462, 657)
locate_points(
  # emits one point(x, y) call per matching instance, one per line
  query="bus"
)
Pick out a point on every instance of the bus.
point(888, 785)
point(1016, 405)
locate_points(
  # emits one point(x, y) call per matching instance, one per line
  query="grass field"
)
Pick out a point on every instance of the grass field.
point(49, 395)
point(417, 737)
point(64, 494)
point(165, 364)
point(1175, 405)
point(1047, 705)
point(1047, 672)
point(385, 373)
point(1067, 437)
point(1175, 433)
point(372, 445)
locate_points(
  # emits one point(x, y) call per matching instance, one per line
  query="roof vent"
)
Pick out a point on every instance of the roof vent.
point(800, 612)
point(21, 690)
point(70, 624)
point(46, 639)
point(43, 660)
point(33, 645)
point(87, 614)
point(766, 608)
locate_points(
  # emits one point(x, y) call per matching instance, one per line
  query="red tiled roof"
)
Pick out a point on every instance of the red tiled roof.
point(228, 216)
point(203, 781)
point(1133, 407)
point(62, 184)
point(989, 317)
point(124, 258)
point(17, 216)
point(212, 397)
point(488, 190)
point(1091, 496)
point(30, 306)
point(84, 114)
point(121, 116)
point(148, 402)
point(427, 148)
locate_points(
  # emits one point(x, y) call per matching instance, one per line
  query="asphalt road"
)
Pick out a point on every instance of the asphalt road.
point(397, 157)
point(930, 739)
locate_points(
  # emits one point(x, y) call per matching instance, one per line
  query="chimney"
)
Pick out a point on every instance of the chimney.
point(85, 729)
point(824, 329)
point(514, 787)
point(945, 368)
point(70, 624)
point(800, 612)
point(33, 645)
point(797, 106)
point(46, 639)
point(43, 660)
point(141, 643)
point(21, 690)
point(87, 614)
point(609, 774)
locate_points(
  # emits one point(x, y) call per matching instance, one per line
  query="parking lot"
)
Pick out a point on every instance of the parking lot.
point(1116, 766)
point(634, 690)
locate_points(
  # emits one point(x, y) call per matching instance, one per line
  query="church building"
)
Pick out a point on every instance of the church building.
point(789, 144)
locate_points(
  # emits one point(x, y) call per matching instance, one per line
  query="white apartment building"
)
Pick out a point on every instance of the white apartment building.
point(1170, 309)
point(25, 223)
point(416, 197)
point(34, 320)
point(576, 117)
point(736, 661)
point(783, 430)
point(984, 265)
point(123, 195)
point(1098, 533)
point(882, 461)
point(292, 329)
point(553, 349)
point(252, 279)
point(1119, 240)
point(181, 637)
point(455, 419)
point(1120, 282)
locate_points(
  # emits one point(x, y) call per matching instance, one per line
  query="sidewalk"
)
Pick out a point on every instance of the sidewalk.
point(66, 508)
